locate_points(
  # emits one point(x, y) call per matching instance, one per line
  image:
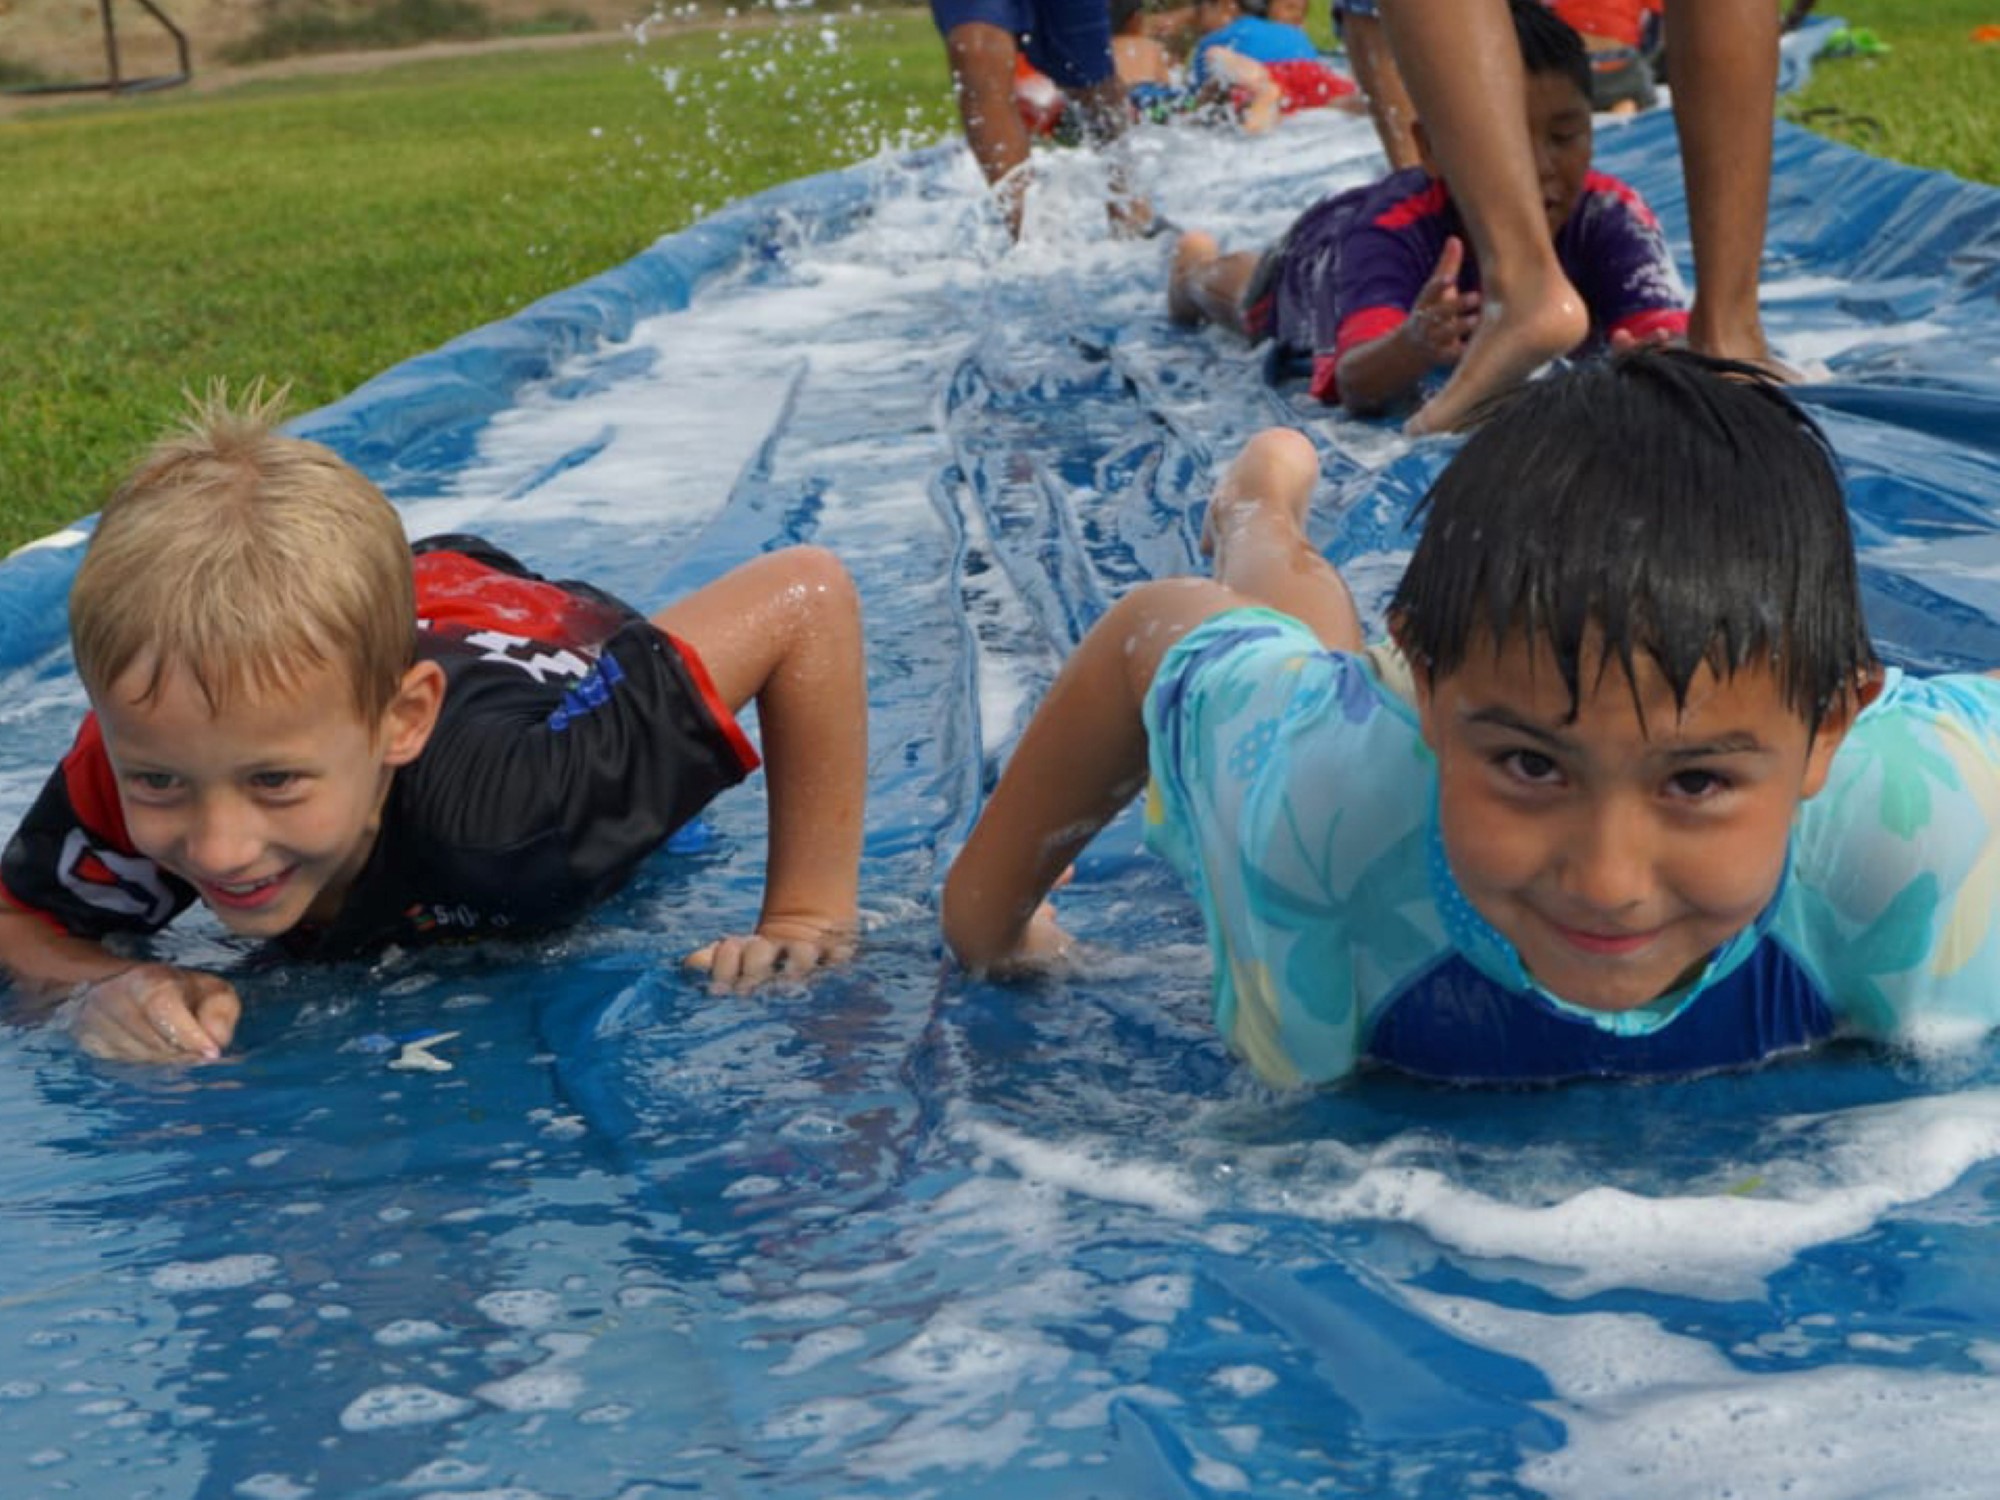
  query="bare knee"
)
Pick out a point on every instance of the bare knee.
point(1282, 455)
point(818, 581)
point(1149, 619)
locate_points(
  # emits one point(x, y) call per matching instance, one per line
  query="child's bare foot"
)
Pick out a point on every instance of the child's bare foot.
point(1516, 336)
point(1269, 483)
point(1131, 216)
point(1194, 253)
point(1740, 341)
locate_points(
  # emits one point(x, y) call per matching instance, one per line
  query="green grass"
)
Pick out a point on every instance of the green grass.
point(319, 230)
point(1933, 99)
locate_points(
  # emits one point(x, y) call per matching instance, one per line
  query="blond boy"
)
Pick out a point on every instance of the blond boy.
point(336, 744)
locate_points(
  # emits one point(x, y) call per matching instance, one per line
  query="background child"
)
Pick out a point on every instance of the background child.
point(1629, 795)
point(1359, 23)
point(1614, 33)
point(1283, 50)
point(332, 745)
point(1137, 54)
point(1374, 284)
point(1468, 88)
point(1069, 41)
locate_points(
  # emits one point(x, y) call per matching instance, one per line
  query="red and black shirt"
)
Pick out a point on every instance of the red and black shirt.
point(574, 738)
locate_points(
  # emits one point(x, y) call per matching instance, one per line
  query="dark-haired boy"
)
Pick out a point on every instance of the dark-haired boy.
point(1376, 286)
point(1628, 794)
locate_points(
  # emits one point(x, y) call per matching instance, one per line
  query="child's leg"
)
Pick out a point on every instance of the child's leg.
point(1382, 85)
point(785, 629)
point(1256, 532)
point(1725, 62)
point(1206, 286)
point(1083, 755)
point(1463, 67)
point(982, 75)
point(1107, 114)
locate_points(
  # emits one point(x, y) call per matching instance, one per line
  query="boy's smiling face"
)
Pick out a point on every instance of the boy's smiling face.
point(270, 804)
point(1618, 848)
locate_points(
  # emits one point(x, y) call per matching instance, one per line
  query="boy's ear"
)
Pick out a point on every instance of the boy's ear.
point(1833, 727)
point(413, 713)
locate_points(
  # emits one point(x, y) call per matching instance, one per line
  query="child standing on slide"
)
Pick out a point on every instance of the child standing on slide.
point(337, 745)
point(1626, 792)
point(1375, 286)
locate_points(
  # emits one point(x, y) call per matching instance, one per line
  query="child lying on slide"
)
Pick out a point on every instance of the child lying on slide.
point(334, 744)
point(1625, 793)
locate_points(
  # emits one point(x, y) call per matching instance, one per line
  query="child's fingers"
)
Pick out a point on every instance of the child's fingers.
point(157, 1015)
point(1450, 261)
point(120, 1022)
point(217, 1014)
point(180, 1032)
point(740, 962)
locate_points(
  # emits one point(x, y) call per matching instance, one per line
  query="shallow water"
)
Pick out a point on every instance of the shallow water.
point(898, 1234)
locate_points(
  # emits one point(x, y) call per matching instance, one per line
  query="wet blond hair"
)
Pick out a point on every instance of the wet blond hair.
point(246, 559)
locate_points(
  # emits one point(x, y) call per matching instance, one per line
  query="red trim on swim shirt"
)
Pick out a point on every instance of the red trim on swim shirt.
point(1425, 204)
point(1367, 325)
point(746, 753)
point(93, 786)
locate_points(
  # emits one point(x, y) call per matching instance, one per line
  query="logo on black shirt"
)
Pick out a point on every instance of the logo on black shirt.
point(127, 885)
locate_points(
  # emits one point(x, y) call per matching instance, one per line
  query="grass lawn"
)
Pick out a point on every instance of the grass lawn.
point(321, 229)
point(1933, 99)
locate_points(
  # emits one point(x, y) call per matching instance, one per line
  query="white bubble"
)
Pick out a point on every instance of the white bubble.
point(401, 1406)
point(271, 1487)
point(540, 1389)
point(213, 1275)
point(526, 1308)
point(404, 1332)
point(1244, 1380)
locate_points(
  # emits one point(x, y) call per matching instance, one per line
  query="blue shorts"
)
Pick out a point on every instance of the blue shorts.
point(1070, 40)
point(1363, 8)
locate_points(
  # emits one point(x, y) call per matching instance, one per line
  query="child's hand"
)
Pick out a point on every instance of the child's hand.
point(1443, 319)
point(787, 948)
point(155, 1013)
point(1623, 342)
point(1043, 945)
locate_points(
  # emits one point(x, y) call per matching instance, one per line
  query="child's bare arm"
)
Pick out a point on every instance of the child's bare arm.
point(1081, 759)
point(785, 630)
point(1232, 71)
point(1387, 368)
point(1083, 756)
point(133, 1012)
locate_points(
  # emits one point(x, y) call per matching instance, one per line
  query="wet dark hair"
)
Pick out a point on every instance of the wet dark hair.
point(1660, 502)
point(1549, 44)
point(1122, 12)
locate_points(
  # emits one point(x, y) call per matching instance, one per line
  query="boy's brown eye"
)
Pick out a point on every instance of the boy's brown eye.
point(1529, 765)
